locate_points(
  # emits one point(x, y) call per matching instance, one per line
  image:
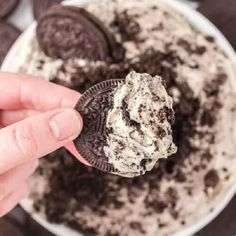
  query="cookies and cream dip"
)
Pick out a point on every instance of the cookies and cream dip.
point(140, 125)
point(200, 79)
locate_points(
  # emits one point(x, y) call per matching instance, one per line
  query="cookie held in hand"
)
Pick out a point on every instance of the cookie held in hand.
point(94, 106)
point(127, 124)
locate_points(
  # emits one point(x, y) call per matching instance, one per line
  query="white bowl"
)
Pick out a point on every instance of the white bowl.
point(203, 25)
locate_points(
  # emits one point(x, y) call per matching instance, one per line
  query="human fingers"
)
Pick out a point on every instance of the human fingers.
point(24, 91)
point(37, 136)
point(12, 179)
point(9, 117)
point(10, 201)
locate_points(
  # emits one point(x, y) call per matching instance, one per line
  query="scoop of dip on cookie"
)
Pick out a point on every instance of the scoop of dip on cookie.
point(139, 125)
point(127, 124)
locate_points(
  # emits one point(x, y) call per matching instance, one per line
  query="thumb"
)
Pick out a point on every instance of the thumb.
point(37, 136)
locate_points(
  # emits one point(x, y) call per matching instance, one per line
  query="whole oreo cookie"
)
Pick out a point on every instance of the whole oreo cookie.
point(8, 35)
point(7, 6)
point(94, 105)
point(223, 15)
point(70, 32)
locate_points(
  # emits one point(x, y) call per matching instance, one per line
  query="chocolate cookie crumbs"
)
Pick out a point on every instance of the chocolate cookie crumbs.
point(200, 50)
point(160, 132)
point(126, 116)
point(166, 113)
point(127, 26)
point(137, 226)
point(211, 179)
point(208, 119)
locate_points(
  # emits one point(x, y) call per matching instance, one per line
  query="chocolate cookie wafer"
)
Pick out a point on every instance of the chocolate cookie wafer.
point(41, 6)
point(68, 32)
point(7, 6)
point(8, 35)
point(93, 106)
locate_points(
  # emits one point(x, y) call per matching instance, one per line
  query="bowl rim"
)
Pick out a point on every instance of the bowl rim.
point(203, 25)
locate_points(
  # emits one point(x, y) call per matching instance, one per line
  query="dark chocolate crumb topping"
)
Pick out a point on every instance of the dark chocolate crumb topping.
point(200, 50)
point(161, 133)
point(211, 179)
point(166, 113)
point(127, 26)
point(137, 226)
point(210, 39)
point(126, 116)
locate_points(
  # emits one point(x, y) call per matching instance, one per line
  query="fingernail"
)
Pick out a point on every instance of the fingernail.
point(66, 125)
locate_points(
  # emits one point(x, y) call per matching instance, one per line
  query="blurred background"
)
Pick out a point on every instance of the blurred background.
point(223, 14)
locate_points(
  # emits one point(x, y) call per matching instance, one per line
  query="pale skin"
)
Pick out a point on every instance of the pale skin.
point(36, 118)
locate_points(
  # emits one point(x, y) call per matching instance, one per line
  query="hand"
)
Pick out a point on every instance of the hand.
point(36, 118)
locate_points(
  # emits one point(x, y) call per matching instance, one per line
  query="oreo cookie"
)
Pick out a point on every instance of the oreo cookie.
point(94, 105)
point(70, 32)
point(7, 6)
point(223, 15)
point(41, 6)
point(8, 35)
